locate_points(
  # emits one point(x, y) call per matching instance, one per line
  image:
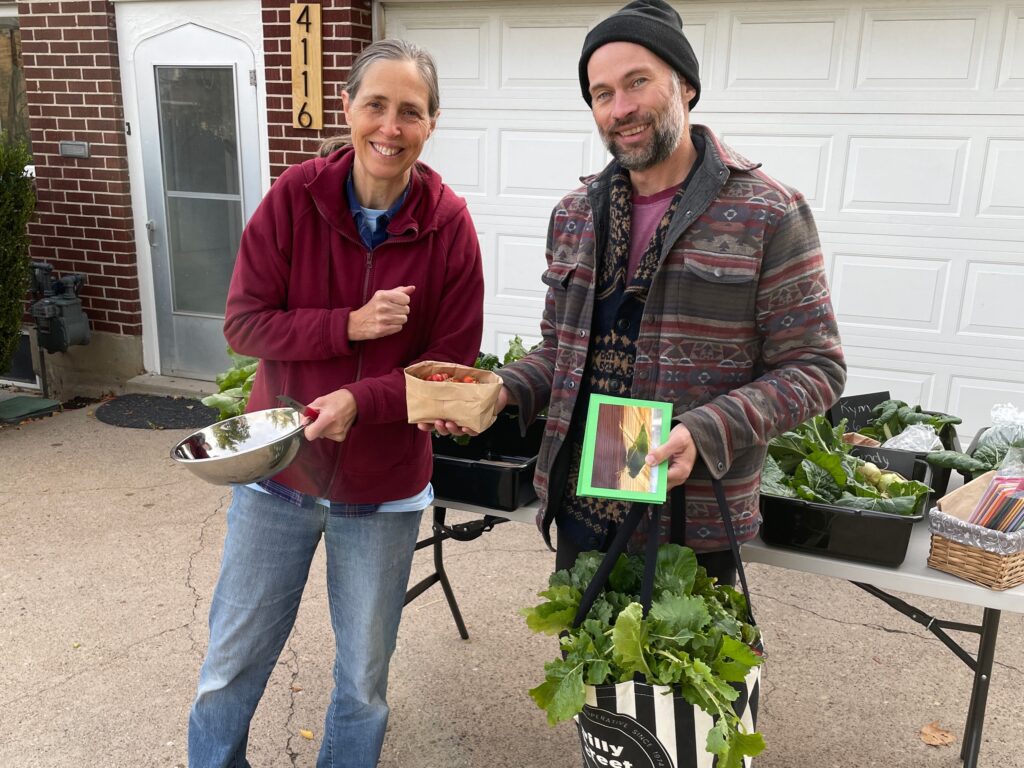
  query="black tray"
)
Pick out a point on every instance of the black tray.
point(840, 532)
point(494, 469)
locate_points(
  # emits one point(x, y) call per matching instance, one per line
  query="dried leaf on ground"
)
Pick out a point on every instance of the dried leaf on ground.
point(936, 736)
point(306, 734)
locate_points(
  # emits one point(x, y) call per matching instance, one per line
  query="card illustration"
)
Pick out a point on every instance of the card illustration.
point(620, 433)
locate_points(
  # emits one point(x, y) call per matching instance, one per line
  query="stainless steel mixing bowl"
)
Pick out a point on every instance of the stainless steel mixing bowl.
point(244, 449)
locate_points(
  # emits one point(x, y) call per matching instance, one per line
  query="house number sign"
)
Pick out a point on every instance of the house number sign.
point(307, 69)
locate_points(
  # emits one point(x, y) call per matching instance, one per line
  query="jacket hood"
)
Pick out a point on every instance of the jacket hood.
point(430, 203)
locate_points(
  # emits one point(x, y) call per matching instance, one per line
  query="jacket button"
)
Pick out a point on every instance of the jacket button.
point(642, 374)
point(718, 271)
point(622, 324)
point(582, 333)
point(721, 465)
point(572, 385)
point(614, 385)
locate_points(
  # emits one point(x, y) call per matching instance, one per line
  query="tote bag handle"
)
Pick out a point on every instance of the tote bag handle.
point(618, 546)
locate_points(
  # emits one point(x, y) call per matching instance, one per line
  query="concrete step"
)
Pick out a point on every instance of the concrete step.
point(174, 386)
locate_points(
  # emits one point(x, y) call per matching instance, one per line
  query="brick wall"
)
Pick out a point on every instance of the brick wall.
point(347, 28)
point(83, 219)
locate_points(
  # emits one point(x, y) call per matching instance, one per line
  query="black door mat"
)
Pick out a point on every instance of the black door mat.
point(14, 410)
point(156, 412)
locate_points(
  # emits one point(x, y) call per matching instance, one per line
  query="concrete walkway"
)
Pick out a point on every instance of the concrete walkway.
point(109, 552)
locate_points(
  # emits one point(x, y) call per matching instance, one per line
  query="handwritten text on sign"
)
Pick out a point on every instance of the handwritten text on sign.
point(307, 69)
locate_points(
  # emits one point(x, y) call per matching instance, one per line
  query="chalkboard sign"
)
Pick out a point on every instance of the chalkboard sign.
point(907, 463)
point(856, 409)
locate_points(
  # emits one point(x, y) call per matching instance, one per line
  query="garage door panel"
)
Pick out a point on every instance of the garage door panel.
point(908, 386)
point(1011, 71)
point(519, 264)
point(812, 42)
point(972, 398)
point(888, 293)
point(499, 330)
point(900, 49)
point(536, 164)
point(905, 174)
point(803, 162)
point(460, 47)
point(992, 298)
point(462, 153)
point(1002, 192)
point(542, 51)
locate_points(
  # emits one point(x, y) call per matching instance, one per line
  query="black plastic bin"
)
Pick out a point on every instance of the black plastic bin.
point(494, 469)
point(840, 532)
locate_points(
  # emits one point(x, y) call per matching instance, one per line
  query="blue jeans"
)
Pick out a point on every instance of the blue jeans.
point(267, 553)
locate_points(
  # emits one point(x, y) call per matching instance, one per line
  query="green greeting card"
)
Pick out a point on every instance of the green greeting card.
point(620, 433)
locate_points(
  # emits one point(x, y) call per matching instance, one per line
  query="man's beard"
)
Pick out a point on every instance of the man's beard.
point(667, 130)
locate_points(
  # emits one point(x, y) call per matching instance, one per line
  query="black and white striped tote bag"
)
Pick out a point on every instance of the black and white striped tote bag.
point(636, 725)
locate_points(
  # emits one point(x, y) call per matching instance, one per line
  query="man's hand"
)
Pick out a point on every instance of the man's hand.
point(337, 413)
point(384, 314)
point(451, 428)
point(681, 452)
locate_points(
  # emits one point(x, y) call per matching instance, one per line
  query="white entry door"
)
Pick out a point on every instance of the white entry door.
point(200, 153)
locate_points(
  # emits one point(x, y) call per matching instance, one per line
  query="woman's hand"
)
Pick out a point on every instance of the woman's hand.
point(384, 314)
point(338, 412)
point(451, 428)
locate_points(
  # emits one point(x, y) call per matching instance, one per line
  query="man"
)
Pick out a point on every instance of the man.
point(680, 273)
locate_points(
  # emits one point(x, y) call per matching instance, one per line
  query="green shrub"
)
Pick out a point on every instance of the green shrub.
point(17, 201)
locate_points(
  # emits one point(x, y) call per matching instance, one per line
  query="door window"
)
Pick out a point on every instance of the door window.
point(202, 185)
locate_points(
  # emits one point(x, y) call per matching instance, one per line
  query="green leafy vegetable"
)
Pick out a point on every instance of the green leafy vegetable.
point(235, 386)
point(893, 416)
point(992, 448)
point(695, 637)
point(813, 463)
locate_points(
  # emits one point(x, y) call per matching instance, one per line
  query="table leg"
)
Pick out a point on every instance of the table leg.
point(439, 576)
point(979, 692)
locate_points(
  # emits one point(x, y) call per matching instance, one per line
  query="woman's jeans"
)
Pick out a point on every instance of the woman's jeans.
point(267, 553)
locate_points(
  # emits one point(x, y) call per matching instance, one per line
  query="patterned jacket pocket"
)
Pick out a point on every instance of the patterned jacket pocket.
point(558, 275)
point(723, 268)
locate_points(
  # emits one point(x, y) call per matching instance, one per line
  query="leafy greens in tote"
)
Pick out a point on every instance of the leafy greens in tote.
point(695, 637)
point(811, 462)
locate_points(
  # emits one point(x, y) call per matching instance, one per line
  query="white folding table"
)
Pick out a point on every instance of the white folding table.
point(913, 577)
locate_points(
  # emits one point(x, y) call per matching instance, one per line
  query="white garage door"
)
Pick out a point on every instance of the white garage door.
point(902, 123)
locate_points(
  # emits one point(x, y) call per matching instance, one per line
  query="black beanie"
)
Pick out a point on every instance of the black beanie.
point(656, 26)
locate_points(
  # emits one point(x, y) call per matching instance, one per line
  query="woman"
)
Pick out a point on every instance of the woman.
point(354, 266)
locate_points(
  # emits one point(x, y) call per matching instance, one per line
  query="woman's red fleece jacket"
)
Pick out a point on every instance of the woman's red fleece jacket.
point(302, 268)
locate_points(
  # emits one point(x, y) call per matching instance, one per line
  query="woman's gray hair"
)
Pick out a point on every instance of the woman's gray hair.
point(390, 49)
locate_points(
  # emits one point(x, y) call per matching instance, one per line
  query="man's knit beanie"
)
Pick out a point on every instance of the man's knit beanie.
point(655, 25)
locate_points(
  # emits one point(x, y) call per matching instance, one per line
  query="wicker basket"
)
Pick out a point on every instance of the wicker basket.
point(996, 571)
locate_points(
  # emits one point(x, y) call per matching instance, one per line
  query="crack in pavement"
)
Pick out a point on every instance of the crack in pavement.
point(190, 572)
point(124, 652)
point(291, 663)
point(922, 634)
point(109, 662)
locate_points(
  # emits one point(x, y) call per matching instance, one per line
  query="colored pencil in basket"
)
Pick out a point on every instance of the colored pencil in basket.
point(1001, 507)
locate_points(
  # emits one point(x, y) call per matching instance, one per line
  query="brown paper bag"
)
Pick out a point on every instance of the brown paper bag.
point(469, 405)
point(961, 502)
